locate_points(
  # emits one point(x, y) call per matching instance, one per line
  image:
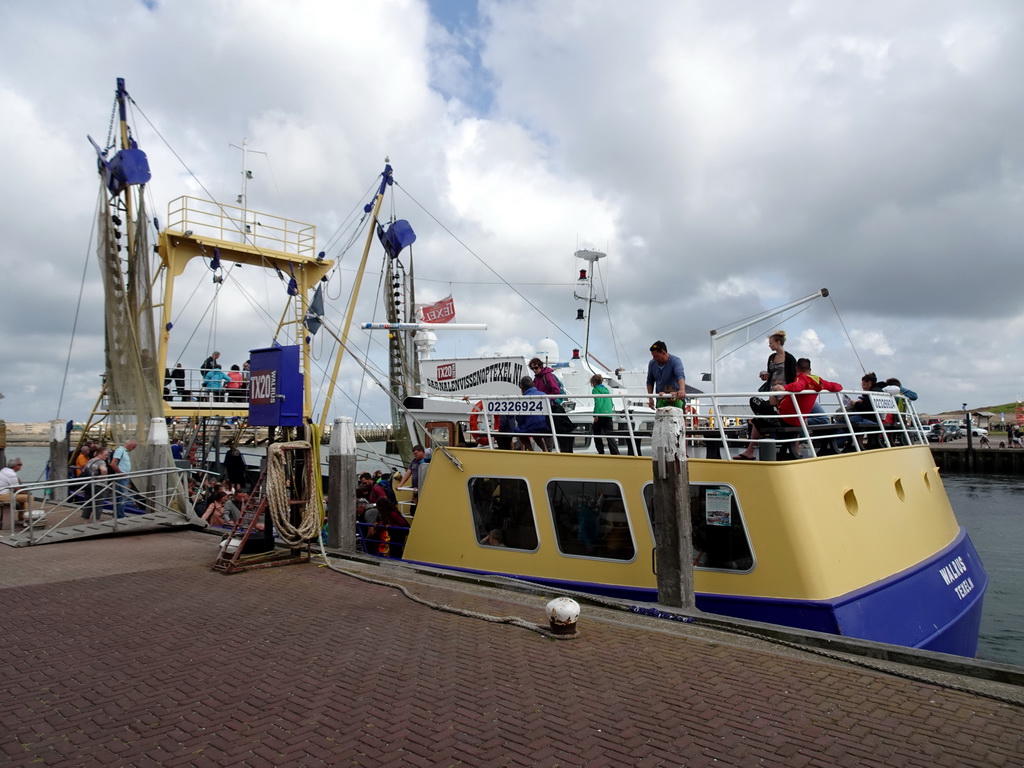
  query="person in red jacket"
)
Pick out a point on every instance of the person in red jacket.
point(805, 380)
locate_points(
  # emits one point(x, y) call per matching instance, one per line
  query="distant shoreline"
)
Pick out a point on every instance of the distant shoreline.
point(28, 433)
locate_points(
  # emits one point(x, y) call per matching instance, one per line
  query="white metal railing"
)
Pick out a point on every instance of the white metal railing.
point(91, 498)
point(236, 224)
point(720, 422)
point(189, 385)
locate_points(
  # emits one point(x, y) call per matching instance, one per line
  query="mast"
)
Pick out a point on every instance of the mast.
point(373, 208)
point(586, 280)
point(131, 380)
point(243, 199)
point(402, 370)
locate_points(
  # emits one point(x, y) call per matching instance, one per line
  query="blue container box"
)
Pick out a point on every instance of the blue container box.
point(275, 387)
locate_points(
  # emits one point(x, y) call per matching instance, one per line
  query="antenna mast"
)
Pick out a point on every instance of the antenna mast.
point(586, 280)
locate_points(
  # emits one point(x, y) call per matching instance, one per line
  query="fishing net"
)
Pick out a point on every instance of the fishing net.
point(133, 394)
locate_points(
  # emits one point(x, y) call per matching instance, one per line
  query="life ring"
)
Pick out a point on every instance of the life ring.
point(691, 410)
point(474, 423)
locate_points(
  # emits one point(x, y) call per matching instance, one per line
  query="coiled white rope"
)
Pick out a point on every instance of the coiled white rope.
point(278, 496)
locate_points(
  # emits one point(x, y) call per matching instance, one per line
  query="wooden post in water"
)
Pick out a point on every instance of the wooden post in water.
point(673, 530)
point(341, 487)
point(58, 458)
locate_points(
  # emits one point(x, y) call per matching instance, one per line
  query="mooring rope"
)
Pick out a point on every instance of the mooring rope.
point(514, 621)
point(278, 496)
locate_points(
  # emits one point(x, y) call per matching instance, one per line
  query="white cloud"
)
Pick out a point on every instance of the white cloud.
point(729, 157)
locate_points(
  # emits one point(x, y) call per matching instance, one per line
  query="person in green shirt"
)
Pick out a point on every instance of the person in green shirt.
point(602, 416)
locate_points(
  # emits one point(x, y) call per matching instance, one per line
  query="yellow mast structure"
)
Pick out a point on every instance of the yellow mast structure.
point(203, 229)
point(374, 207)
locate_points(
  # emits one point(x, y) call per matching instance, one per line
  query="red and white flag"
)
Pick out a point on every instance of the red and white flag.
point(440, 312)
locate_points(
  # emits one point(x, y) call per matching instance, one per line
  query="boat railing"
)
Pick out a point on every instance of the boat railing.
point(189, 385)
point(204, 218)
point(80, 500)
point(716, 424)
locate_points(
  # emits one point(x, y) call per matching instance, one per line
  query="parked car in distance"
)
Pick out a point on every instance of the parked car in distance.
point(954, 429)
point(935, 431)
point(979, 431)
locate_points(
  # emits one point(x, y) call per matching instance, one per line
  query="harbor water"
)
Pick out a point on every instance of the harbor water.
point(986, 505)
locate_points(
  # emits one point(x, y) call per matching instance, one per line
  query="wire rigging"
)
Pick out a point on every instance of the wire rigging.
point(848, 338)
point(78, 306)
point(489, 267)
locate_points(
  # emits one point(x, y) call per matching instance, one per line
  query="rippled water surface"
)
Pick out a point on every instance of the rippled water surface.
point(990, 508)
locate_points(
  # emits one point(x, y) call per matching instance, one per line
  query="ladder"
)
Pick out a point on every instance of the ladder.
point(250, 543)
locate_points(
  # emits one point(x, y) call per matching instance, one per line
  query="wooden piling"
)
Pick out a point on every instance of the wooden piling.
point(673, 530)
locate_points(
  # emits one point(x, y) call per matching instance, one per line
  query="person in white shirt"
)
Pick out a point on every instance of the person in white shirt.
point(10, 485)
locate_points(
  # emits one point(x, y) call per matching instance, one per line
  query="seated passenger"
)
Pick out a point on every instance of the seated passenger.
point(493, 539)
point(810, 384)
point(863, 410)
point(214, 513)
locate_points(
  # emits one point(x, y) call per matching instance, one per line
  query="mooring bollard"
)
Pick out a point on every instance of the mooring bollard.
point(563, 613)
point(341, 487)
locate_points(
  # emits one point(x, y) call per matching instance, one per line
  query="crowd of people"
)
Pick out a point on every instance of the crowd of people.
point(783, 372)
point(215, 384)
point(382, 527)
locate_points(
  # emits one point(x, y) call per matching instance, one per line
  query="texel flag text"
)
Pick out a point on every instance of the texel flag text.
point(441, 312)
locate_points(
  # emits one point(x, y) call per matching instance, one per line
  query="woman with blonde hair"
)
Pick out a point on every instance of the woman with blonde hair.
point(779, 371)
point(781, 367)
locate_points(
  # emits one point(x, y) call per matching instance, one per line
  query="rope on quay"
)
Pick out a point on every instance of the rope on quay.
point(514, 621)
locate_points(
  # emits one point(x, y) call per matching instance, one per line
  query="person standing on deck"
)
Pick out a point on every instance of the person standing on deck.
point(419, 455)
point(215, 381)
point(209, 364)
point(121, 464)
point(665, 378)
point(544, 378)
point(603, 408)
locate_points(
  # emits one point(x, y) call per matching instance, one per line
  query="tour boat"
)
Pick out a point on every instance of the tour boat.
point(862, 543)
point(832, 530)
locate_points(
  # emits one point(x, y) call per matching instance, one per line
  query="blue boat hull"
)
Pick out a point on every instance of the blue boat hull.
point(935, 606)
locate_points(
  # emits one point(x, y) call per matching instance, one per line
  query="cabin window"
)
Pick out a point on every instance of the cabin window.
point(719, 537)
point(590, 519)
point(439, 433)
point(502, 504)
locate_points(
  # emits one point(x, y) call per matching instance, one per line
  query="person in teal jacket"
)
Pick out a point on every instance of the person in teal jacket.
point(602, 416)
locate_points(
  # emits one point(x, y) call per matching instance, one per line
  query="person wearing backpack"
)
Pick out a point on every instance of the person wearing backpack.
point(545, 379)
point(385, 484)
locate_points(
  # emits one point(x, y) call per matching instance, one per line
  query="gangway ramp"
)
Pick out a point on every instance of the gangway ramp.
point(157, 502)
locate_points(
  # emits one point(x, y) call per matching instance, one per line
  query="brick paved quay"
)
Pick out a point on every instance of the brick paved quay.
point(130, 651)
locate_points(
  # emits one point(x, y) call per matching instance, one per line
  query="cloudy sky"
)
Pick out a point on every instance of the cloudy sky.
point(729, 157)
